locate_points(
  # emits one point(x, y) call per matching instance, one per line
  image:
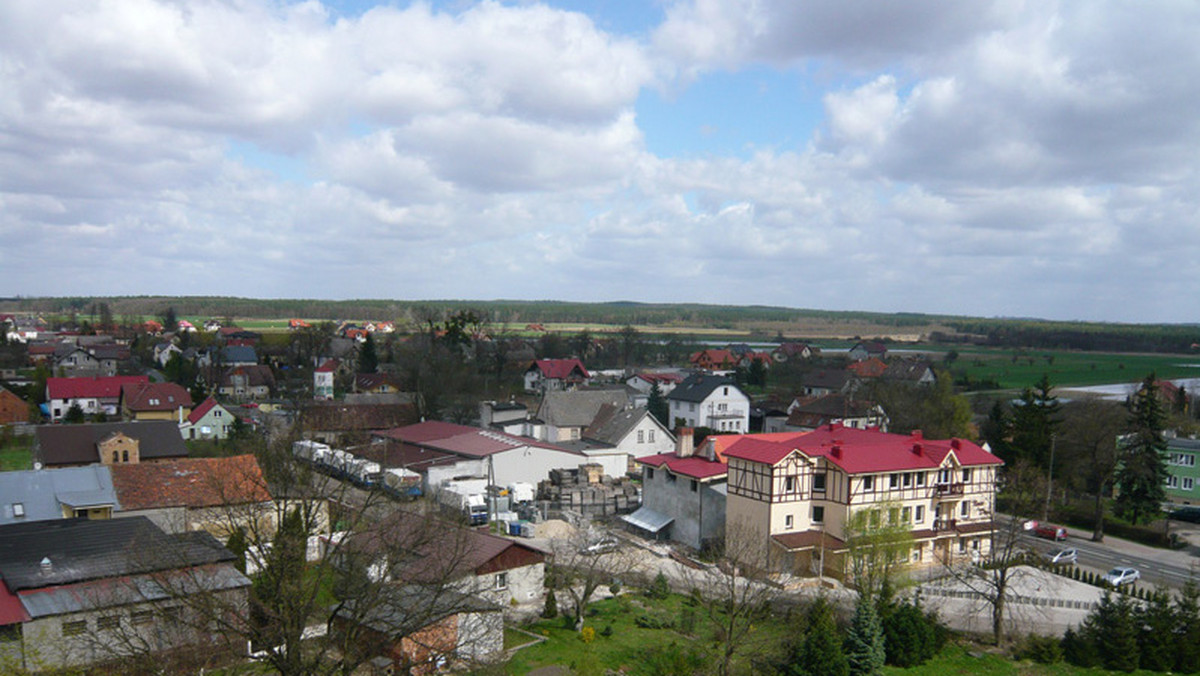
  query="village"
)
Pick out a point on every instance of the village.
point(202, 495)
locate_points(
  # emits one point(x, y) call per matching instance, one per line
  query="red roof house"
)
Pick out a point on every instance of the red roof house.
point(555, 374)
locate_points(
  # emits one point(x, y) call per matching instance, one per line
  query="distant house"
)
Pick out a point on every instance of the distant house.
point(155, 401)
point(547, 375)
point(645, 381)
point(209, 420)
point(867, 350)
point(61, 493)
point(683, 494)
point(911, 371)
point(715, 402)
point(787, 351)
point(212, 325)
point(827, 381)
point(624, 434)
point(92, 395)
point(747, 359)
point(107, 443)
point(238, 355)
point(339, 423)
point(164, 351)
point(811, 412)
point(247, 383)
point(13, 409)
point(866, 369)
point(714, 359)
point(1183, 472)
point(375, 383)
point(217, 495)
point(296, 324)
point(75, 590)
point(565, 415)
point(323, 377)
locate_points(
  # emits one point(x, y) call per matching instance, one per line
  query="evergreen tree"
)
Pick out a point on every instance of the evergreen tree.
point(657, 405)
point(910, 636)
point(1186, 612)
point(550, 610)
point(1142, 469)
point(170, 320)
point(864, 645)
point(821, 652)
point(1035, 421)
point(1156, 623)
point(74, 415)
point(368, 359)
point(237, 545)
point(757, 374)
point(1111, 631)
point(997, 430)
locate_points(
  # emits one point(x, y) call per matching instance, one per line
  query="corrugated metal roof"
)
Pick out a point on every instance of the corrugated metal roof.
point(108, 592)
point(648, 520)
point(40, 492)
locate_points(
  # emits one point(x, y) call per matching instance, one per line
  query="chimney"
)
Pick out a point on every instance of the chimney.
point(684, 446)
point(916, 448)
point(918, 435)
point(956, 444)
point(836, 451)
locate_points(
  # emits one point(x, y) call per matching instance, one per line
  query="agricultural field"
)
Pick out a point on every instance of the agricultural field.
point(1015, 369)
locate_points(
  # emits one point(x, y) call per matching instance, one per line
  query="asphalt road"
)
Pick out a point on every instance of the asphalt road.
point(1167, 569)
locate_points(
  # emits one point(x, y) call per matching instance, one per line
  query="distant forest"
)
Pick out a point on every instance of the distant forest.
point(752, 319)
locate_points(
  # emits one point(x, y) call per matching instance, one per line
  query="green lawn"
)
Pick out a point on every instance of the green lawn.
point(957, 659)
point(16, 453)
point(1021, 368)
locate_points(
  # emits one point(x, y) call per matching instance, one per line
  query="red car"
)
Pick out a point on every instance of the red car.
point(1050, 531)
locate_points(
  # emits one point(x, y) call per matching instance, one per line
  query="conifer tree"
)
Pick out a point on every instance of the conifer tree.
point(1186, 612)
point(1156, 622)
point(368, 359)
point(864, 644)
point(1142, 469)
point(657, 405)
point(821, 652)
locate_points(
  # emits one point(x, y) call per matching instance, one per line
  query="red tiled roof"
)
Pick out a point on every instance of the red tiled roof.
point(692, 466)
point(559, 369)
point(862, 451)
point(108, 387)
point(329, 366)
point(661, 377)
point(190, 482)
point(868, 368)
point(202, 410)
point(155, 397)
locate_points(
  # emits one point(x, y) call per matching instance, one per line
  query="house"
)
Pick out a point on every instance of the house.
point(92, 395)
point(13, 409)
point(184, 326)
point(83, 357)
point(547, 375)
point(323, 377)
point(164, 351)
point(645, 381)
point(809, 413)
point(566, 414)
point(62, 493)
point(341, 423)
point(247, 383)
point(715, 402)
point(70, 359)
point(1183, 477)
point(238, 355)
point(790, 350)
point(768, 416)
point(375, 383)
point(217, 495)
point(828, 381)
point(683, 494)
point(78, 591)
point(791, 497)
point(209, 420)
point(867, 350)
point(868, 368)
point(503, 458)
point(296, 324)
point(747, 359)
point(618, 435)
point(506, 416)
point(212, 325)
point(155, 401)
point(419, 630)
point(710, 360)
point(910, 371)
point(107, 443)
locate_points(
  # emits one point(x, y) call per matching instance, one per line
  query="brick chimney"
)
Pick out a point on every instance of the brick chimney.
point(684, 446)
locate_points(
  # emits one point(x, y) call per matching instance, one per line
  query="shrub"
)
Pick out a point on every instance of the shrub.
point(587, 635)
point(607, 631)
point(568, 622)
point(550, 610)
point(1041, 649)
point(660, 588)
point(614, 588)
point(647, 621)
point(687, 621)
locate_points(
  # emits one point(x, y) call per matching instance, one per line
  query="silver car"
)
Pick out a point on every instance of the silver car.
point(1062, 557)
point(1120, 576)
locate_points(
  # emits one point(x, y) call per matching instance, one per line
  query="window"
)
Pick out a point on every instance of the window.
point(966, 476)
point(920, 478)
point(74, 628)
point(108, 622)
point(116, 457)
point(789, 484)
point(691, 407)
point(695, 485)
point(818, 514)
point(868, 483)
point(650, 436)
point(725, 392)
point(722, 407)
point(964, 509)
point(141, 617)
point(787, 521)
point(819, 482)
point(574, 432)
point(670, 478)
point(943, 476)
point(1188, 483)
point(906, 515)
point(1172, 482)
point(18, 509)
point(501, 581)
point(893, 515)
point(893, 481)
point(908, 479)
point(920, 514)
point(641, 437)
point(874, 513)
point(649, 472)
point(124, 456)
point(1184, 459)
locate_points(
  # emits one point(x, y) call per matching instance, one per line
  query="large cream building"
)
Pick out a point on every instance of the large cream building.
point(791, 495)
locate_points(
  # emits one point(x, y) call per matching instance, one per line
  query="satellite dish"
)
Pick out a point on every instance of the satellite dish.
point(37, 465)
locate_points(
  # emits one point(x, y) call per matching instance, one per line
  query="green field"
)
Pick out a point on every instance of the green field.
point(1020, 368)
point(16, 453)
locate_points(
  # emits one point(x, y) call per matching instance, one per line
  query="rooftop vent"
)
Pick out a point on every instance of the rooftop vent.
point(47, 566)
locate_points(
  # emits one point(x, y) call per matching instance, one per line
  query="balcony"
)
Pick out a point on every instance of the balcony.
point(947, 489)
point(944, 524)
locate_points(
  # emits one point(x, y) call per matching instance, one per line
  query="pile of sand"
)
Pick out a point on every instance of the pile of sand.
point(555, 529)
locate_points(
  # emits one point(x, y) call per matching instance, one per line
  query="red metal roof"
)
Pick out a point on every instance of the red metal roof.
point(201, 410)
point(108, 387)
point(329, 366)
point(862, 451)
point(465, 440)
point(692, 466)
point(560, 369)
point(11, 609)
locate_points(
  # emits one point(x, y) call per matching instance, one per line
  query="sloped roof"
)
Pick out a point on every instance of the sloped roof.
point(612, 424)
point(105, 387)
point(826, 379)
point(907, 369)
point(83, 549)
point(692, 466)
point(659, 377)
point(717, 357)
point(698, 387)
point(155, 397)
point(868, 368)
point(559, 369)
point(190, 482)
point(43, 492)
point(257, 375)
point(329, 366)
point(76, 444)
point(464, 440)
point(835, 405)
point(202, 410)
point(239, 353)
point(405, 610)
point(340, 416)
point(862, 451)
point(578, 408)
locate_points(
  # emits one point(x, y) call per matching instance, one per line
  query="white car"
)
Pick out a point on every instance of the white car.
point(602, 546)
point(1119, 576)
point(1060, 557)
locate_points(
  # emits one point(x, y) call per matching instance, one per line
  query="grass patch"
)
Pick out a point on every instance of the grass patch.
point(16, 453)
point(1016, 369)
point(966, 659)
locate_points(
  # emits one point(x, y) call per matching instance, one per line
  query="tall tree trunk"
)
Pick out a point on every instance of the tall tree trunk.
point(1098, 531)
point(998, 618)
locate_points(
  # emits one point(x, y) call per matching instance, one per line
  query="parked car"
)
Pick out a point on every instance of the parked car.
point(1187, 514)
point(1060, 557)
point(1119, 576)
point(1049, 530)
point(602, 546)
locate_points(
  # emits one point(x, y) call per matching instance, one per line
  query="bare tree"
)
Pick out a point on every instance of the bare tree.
point(584, 562)
point(1088, 438)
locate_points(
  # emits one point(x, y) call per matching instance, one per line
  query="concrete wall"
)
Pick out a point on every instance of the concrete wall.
point(531, 464)
point(699, 514)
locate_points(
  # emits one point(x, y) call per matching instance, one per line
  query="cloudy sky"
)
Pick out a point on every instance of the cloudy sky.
point(1031, 158)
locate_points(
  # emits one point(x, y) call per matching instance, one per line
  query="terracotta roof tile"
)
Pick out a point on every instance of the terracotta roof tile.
point(191, 482)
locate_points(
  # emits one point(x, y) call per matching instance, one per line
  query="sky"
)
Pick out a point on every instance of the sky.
point(1032, 159)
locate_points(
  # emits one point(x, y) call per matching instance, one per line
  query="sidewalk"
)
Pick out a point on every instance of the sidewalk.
point(1187, 557)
